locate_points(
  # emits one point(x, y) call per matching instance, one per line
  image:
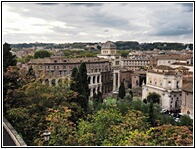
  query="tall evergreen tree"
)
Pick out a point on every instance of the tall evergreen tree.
point(8, 58)
point(73, 77)
point(84, 80)
point(121, 92)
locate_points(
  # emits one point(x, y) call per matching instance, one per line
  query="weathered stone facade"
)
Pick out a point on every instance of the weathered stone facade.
point(56, 67)
point(165, 81)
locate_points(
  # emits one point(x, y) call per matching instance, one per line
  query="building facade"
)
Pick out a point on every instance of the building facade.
point(166, 82)
point(108, 51)
point(134, 63)
point(187, 100)
point(58, 67)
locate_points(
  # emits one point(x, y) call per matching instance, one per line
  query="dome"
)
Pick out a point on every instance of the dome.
point(108, 45)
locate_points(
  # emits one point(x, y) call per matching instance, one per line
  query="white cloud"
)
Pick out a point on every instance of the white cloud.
point(97, 22)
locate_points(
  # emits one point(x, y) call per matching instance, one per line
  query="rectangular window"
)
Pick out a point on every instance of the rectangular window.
point(117, 62)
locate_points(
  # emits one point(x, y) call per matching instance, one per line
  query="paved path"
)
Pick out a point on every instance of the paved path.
point(7, 140)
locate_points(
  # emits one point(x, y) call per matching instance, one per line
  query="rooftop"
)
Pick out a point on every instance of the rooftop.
point(188, 87)
point(108, 45)
point(67, 60)
point(164, 67)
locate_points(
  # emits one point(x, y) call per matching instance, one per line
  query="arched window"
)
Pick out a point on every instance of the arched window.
point(93, 91)
point(177, 84)
point(89, 79)
point(137, 83)
point(155, 81)
point(93, 79)
point(97, 79)
point(176, 104)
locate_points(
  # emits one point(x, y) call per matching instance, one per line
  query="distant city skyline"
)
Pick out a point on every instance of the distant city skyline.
point(30, 22)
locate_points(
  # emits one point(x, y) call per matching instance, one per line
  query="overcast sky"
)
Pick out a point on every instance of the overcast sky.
point(97, 22)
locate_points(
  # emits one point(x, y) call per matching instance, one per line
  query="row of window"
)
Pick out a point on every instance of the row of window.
point(71, 67)
point(169, 83)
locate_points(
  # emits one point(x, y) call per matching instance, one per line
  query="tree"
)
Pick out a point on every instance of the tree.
point(27, 58)
point(151, 114)
point(73, 77)
point(42, 54)
point(10, 83)
point(8, 58)
point(84, 80)
point(31, 103)
point(108, 127)
point(60, 127)
point(30, 75)
point(154, 97)
point(185, 120)
point(121, 92)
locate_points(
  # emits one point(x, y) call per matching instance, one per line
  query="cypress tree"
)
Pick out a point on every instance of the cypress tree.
point(73, 77)
point(8, 58)
point(84, 80)
point(121, 92)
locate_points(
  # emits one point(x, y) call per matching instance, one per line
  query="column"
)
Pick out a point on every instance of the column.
point(118, 79)
point(173, 83)
point(100, 79)
point(164, 83)
point(91, 93)
point(96, 79)
point(91, 79)
point(114, 81)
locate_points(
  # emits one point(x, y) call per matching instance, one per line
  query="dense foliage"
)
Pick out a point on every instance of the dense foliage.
point(121, 45)
point(78, 54)
point(8, 58)
point(33, 107)
point(42, 54)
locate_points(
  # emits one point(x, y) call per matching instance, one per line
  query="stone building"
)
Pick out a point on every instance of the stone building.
point(167, 82)
point(135, 63)
point(132, 78)
point(187, 95)
point(108, 51)
point(98, 70)
point(187, 100)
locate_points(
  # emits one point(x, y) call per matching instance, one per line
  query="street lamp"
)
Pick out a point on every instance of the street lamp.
point(46, 136)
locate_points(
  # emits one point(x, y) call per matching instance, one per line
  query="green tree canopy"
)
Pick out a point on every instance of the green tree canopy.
point(42, 54)
point(154, 97)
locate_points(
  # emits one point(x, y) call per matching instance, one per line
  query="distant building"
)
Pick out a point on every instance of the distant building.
point(132, 78)
point(135, 63)
point(187, 100)
point(108, 51)
point(167, 82)
point(98, 70)
point(187, 95)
